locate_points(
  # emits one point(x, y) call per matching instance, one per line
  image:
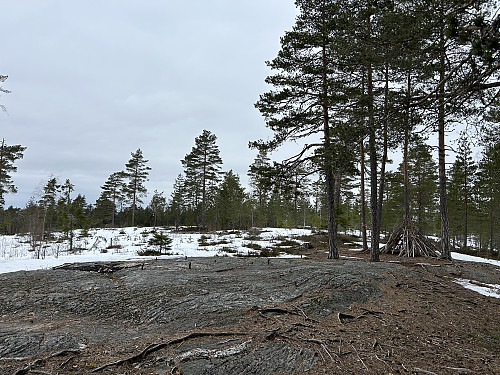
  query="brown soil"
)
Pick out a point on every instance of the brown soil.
point(251, 316)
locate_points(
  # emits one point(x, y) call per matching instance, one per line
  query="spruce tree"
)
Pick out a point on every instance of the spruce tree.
point(488, 185)
point(136, 172)
point(112, 192)
point(230, 202)
point(202, 169)
point(260, 183)
point(177, 204)
point(48, 203)
point(461, 190)
point(157, 205)
point(423, 184)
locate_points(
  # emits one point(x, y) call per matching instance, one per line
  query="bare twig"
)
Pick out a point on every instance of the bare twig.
point(367, 369)
point(421, 371)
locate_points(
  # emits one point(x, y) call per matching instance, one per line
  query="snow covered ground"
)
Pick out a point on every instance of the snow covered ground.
point(123, 244)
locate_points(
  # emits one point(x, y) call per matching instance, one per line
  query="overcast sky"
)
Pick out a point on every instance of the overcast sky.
point(94, 80)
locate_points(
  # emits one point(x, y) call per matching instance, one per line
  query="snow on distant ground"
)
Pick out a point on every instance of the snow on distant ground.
point(107, 245)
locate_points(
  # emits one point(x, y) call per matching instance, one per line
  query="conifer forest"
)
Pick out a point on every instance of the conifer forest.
point(395, 108)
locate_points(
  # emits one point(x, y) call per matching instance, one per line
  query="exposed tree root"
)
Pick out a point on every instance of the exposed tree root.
point(407, 241)
point(158, 346)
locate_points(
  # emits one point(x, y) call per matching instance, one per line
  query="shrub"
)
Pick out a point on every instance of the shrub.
point(254, 246)
point(148, 253)
point(161, 241)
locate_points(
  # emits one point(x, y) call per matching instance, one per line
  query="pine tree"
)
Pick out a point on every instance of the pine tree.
point(308, 89)
point(8, 155)
point(202, 169)
point(463, 48)
point(136, 171)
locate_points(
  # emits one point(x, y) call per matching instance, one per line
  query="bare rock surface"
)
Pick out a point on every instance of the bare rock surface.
point(237, 316)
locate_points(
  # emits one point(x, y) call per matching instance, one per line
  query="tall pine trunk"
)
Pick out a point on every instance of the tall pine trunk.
point(384, 153)
point(374, 251)
point(406, 182)
point(333, 251)
point(363, 195)
point(443, 203)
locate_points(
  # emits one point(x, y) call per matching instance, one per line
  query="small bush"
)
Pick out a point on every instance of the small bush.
point(270, 252)
point(149, 253)
point(206, 241)
point(161, 241)
point(254, 246)
point(229, 250)
point(203, 240)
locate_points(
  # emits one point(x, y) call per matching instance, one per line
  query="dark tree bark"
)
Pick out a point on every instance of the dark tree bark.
point(363, 195)
point(375, 237)
point(443, 204)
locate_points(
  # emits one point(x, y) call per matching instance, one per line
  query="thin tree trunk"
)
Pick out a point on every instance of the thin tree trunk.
point(204, 192)
point(384, 154)
point(443, 203)
point(466, 206)
point(374, 252)
point(362, 200)
point(491, 231)
point(406, 182)
point(333, 251)
point(338, 182)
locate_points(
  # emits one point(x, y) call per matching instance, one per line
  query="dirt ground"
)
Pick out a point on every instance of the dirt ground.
point(252, 316)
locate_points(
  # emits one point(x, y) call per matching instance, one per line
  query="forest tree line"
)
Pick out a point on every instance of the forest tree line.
point(352, 82)
point(296, 201)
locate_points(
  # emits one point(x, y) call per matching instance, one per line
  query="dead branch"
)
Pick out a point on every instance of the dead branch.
point(459, 369)
point(276, 310)
point(214, 353)
point(158, 346)
point(419, 370)
point(325, 348)
point(367, 369)
point(342, 317)
point(407, 241)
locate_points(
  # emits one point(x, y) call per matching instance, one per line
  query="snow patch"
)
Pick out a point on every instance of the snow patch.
point(490, 290)
point(470, 258)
